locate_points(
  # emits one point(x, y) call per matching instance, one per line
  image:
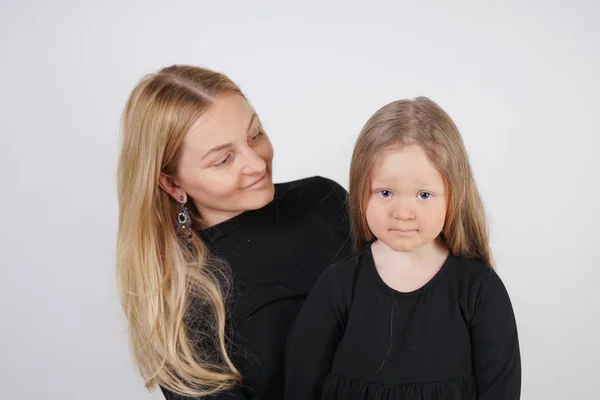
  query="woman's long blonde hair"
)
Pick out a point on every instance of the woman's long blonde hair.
point(424, 123)
point(159, 279)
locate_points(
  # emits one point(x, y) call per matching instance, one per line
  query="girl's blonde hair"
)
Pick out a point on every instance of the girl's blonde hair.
point(159, 279)
point(424, 123)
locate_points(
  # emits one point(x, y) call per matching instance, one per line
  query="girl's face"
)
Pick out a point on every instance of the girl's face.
point(407, 203)
point(225, 163)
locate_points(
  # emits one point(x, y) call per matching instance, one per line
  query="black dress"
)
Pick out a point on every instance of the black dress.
point(276, 255)
point(356, 338)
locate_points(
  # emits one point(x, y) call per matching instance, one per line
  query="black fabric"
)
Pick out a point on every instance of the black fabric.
point(276, 254)
point(357, 338)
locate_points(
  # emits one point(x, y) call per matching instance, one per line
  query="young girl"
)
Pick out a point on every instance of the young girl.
point(418, 312)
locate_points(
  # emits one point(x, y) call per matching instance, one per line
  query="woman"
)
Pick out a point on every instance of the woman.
point(213, 260)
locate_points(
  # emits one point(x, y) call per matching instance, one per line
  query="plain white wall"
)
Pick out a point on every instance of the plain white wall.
point(519, 78)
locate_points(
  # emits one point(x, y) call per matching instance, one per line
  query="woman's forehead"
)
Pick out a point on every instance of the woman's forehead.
point(227, 119)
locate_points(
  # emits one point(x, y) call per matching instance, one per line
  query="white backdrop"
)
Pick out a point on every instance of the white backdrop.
point(519, 78)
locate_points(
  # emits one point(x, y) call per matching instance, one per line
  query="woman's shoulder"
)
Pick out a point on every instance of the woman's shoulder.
point(311, 191)
point(316, 187)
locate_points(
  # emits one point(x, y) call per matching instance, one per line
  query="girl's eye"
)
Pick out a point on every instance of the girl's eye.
point(424, 195)
point(386, 194)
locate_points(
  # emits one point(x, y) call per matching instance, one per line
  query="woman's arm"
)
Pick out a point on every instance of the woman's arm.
point(234, 393)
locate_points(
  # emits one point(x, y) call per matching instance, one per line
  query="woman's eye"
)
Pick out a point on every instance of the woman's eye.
point(424, 195)
point(385, 194)
point(255, 137)
point(223, 161)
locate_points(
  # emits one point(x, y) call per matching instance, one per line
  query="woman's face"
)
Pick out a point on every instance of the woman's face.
point(225, 162)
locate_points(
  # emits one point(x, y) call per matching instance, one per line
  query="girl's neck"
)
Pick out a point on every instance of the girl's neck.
point(427, 254)
point(407, 271)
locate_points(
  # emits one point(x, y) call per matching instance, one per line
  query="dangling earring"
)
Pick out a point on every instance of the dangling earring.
point(184, 224)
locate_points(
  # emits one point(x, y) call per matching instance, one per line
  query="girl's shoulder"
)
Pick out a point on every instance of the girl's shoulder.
point(469, 268)
point(478, 279)
point(343, 275)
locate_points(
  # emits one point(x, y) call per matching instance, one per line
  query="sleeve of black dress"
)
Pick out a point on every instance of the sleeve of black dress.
point(234, 393)
point(314, 338)
point(495, 343)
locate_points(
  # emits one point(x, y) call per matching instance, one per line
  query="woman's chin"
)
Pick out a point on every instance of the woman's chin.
point(260, 198)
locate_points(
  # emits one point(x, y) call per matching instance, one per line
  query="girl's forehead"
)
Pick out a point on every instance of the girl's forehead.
point(407, 158)
point(408, 164)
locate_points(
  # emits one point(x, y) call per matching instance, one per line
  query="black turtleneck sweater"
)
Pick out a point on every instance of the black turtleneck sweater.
point(276, 255)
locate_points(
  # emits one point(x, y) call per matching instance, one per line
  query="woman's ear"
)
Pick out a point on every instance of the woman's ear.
point(168, 184)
